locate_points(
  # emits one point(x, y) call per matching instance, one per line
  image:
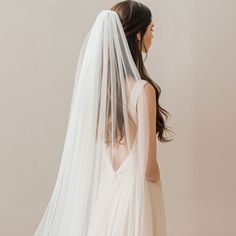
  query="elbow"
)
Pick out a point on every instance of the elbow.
point(153, 177)
point(153, 174)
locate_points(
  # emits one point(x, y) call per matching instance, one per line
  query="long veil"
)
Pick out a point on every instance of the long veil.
point(101, 130)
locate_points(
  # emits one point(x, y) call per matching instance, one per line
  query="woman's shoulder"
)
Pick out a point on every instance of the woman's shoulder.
point(149, 90)
point(145, 87)
point(150, 95)
point(149, 87)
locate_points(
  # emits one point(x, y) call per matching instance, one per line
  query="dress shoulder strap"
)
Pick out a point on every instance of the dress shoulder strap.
point(137, 88)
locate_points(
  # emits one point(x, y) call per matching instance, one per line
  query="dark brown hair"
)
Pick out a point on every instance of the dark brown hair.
point(135, 17)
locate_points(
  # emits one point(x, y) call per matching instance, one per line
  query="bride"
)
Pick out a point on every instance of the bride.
point(109, 181)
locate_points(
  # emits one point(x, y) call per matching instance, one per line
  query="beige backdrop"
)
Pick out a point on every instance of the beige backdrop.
point(192, 58)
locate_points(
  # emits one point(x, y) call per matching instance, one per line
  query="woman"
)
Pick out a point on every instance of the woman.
point(109, 182)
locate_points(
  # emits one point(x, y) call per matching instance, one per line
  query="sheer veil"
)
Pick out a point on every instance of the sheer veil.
point(102, 130)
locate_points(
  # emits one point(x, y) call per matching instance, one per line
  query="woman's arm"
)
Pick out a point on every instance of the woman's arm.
point(152, 168)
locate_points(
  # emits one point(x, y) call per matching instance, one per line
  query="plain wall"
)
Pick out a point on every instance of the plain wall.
point(192, 58)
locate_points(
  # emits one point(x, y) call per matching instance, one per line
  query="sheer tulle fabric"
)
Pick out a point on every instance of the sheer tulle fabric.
point(101, 188)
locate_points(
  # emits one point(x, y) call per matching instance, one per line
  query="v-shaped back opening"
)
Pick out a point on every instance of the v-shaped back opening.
point(120, 159)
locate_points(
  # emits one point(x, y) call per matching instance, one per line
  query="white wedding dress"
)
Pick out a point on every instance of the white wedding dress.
point(93, 195)
point(115, 198)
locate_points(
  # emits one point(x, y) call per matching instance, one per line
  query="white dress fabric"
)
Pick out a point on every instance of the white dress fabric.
point(116, 196)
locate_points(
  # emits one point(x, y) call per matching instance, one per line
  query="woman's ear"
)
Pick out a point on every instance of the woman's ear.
point(139, 36)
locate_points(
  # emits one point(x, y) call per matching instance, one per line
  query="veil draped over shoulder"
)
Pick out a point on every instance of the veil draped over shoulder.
point(101, 178)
